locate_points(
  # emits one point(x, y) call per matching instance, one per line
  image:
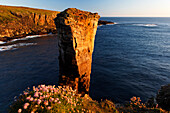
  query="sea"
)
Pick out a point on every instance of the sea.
point(130, 58)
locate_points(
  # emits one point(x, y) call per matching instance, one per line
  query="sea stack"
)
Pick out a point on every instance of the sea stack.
point(76, 33)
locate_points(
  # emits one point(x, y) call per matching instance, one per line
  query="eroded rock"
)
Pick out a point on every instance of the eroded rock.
point(17, 22)
point(163, 97)
point(76, 32)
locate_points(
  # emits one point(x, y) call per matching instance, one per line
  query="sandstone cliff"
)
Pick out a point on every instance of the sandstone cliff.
point(76, 32)
point(16, 22)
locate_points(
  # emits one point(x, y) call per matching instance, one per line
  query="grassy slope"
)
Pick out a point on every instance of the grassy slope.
point(18, 22)
point(6, 16)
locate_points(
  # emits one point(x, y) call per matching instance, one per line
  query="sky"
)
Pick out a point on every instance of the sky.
point(105, 8)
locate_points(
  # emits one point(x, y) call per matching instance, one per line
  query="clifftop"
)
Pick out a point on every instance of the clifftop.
point(72, 16)
point(78, 14)
point(13, 13)
point(16, 22)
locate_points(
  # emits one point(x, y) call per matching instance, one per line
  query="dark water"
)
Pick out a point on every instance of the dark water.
point(131, 58)
point(27, 66)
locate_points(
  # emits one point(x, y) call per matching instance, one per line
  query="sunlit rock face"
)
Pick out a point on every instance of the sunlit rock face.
point(76, 32)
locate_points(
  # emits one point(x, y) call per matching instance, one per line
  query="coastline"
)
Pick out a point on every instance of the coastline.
point(40, 34)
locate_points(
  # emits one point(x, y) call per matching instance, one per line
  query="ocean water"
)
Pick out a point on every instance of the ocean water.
point(131, 58)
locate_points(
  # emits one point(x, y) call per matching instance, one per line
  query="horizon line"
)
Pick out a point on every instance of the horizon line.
point(87, 10)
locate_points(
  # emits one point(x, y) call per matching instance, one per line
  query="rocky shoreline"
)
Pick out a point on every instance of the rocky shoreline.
point(19, 22)
point(75, 52)
point(102, 22)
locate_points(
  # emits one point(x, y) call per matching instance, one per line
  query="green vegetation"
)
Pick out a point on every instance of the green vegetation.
point(7, 12)
point(51, 99)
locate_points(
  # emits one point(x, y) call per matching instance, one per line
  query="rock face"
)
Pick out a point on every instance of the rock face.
point(102, 22)
point(17, 22)
point(76, 32)
point(163, 97)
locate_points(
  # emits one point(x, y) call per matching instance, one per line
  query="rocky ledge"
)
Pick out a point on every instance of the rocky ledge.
point(163, 97)
point(102, 22)
point(17, 22)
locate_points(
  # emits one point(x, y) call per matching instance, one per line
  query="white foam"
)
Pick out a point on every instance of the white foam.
point(106, 24)
point(15, 46)
point(26, 38)
point(146, 25)
point(1, 42)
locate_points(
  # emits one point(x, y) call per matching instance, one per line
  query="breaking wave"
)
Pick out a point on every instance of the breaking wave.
point(146, 25)
point(14, 46)
point(25, 38)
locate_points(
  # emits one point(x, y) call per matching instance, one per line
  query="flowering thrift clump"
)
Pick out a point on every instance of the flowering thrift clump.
point(136, 106)
point(51, 99)
point(48, 99)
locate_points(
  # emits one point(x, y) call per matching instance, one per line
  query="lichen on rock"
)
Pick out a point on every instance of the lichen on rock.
point(76, 32)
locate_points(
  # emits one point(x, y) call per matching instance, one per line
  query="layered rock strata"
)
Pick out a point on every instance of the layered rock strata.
point(18, 22)
point(76, 32)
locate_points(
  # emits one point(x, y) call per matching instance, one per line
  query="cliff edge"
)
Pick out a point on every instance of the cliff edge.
point(17, 22)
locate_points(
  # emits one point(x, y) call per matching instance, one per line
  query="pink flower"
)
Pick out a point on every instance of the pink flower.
point(36, 94)
point(41, 97)
point(19, 110)
point(25, 93)
point(74, 104)
point(40, 93)
point(47, 95)
point(52, 99)
point(48, 107)
point(156, 105)
point(34, 100)
point(46, 102)
point(38, 101)
point(28, 98)
point(59, 102)
point(37, 89)
point(42, 86)
point(34, 88)
point(31, 99)
point(44, 96)
point(26, 105)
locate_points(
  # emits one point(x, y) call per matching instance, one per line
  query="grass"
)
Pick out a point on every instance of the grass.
point(6, 15)
point(51, 99)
